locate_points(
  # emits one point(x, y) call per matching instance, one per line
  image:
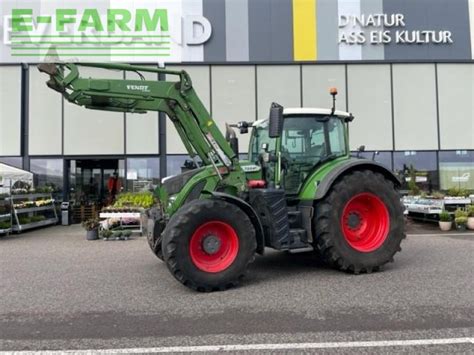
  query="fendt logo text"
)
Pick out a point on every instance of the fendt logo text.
point(143, 88)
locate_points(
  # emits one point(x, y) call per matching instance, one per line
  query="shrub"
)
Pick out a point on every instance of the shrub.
point(458, 192)
point(126, 233)
point(37, 218)
point(453, 191)
point(24, 220)
point(412, 186)
point(444, 216)
point(106, 233)
point(460, 213)
point(5, 225)
point(438, 195)
point(470, 210)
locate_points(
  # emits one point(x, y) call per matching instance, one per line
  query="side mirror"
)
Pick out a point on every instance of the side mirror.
point(361, 148)
point(243, 126)
point(275, 121)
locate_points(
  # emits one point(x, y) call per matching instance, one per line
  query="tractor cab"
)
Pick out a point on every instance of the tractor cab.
point(309, 137)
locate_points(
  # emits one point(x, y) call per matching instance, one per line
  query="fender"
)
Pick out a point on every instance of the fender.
point(250, 212)
point(350, 165)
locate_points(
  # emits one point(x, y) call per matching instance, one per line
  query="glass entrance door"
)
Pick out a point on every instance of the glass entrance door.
point(95, 182)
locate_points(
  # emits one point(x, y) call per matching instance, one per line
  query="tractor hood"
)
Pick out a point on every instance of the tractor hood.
point(173, 184)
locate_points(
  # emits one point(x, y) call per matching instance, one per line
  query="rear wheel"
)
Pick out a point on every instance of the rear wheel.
point(208, 245)
point(359, 224)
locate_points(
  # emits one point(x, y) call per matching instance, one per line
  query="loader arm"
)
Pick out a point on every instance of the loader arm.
point(177, 99)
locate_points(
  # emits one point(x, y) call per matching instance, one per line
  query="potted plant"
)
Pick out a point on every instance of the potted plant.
point(126, 234)
point(445, 221)
point(460, 219)
point(461, 223)
point(117, 235)
point(105, 234)
point(470, 217)
point(92, 228)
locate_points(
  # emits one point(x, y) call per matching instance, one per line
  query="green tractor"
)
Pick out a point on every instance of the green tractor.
point(299, 190)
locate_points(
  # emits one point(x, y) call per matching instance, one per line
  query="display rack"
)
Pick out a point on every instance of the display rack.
point(125, 215)
point(48, 211)
point(5, 214)
point(428, 209)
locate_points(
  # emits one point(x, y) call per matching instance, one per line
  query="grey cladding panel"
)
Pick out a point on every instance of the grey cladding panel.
point(328, 32)
point(270, 30)
point(215, 48)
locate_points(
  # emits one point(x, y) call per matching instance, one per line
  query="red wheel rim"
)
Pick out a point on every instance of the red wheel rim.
point(365, 222)
point(214, 246)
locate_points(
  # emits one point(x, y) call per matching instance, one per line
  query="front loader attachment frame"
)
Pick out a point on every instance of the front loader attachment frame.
point(177, 99)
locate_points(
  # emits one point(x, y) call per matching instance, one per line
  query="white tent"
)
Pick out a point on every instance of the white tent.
point(9, 175)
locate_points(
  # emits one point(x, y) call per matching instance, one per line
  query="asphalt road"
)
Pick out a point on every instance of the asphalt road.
point(59, 291)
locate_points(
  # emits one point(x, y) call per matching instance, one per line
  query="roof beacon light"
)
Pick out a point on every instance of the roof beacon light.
point(333, 92)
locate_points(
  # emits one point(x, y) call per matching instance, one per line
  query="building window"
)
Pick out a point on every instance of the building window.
point(175, 163)
point(243, 156)
point(422, 165)
point(17, 162)
point(142, 173)
point(48, 173)
point(456, 169)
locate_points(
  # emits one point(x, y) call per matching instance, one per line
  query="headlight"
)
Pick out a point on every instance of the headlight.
point(171, 200)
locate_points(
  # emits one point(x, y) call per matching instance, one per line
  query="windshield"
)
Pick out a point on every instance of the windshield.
point(306, 141)
point(303, 137)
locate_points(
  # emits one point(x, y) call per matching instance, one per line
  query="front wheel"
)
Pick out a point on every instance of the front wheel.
point(208, 245)
point(359, 224)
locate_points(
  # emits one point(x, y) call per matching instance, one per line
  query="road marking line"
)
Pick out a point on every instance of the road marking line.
point(441, 234)
point(250, 347)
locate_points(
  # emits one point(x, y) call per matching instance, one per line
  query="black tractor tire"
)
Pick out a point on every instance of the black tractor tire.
point(194, 225)
point(155, 238)
point(359, 224)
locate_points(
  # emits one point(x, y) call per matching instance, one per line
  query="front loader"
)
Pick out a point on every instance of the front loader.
point(299, 190)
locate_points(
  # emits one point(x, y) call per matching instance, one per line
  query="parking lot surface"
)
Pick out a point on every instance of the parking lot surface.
point(59, 291)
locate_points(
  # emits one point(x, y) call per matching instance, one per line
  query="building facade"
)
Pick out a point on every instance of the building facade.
point(405, 69)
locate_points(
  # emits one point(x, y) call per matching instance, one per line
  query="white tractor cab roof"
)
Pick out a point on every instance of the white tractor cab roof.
point(306, 111)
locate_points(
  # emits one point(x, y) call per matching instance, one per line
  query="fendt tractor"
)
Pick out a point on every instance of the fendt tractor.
point(299, 189)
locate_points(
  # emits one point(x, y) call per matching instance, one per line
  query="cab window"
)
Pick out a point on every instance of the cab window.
point(306, 141)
